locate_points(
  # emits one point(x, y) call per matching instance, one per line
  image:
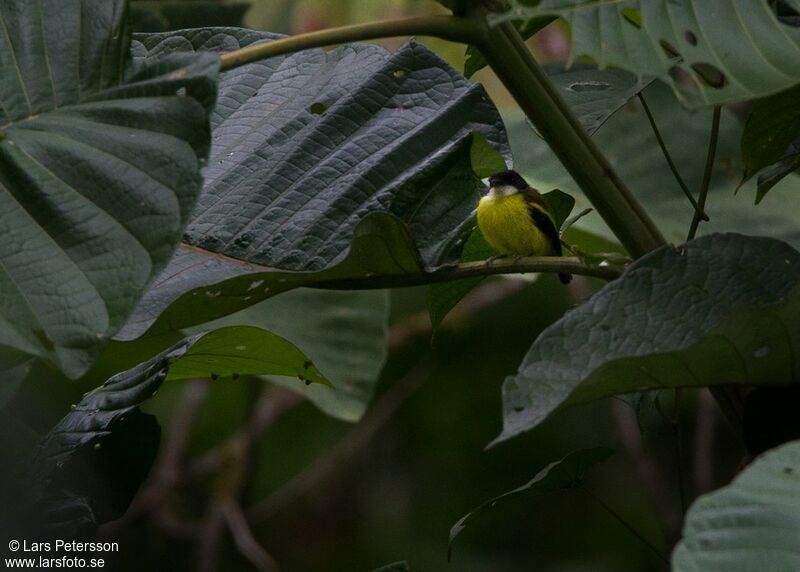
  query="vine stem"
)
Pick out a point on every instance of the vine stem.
point(626, 524)
point(668, 157)
point(712, 151)
point(454, 28)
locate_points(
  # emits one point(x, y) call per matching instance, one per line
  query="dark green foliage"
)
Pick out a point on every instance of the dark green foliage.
point(99, 169)
point(707, 314)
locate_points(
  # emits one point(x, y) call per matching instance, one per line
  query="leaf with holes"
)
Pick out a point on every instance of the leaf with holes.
point(99, 170)
point(78, 461)
point(752, 524)
point(725, 51)
point(628, 141)
point(709, 314)
point(305, 147)
point(595, 94)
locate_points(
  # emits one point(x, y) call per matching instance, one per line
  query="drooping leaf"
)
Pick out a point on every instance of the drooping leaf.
point(773, 175)
point(628, 141)
point(568, 473)
point(78, 461)
point(752, 524)
point(709, 314)
point(772, 127)
point(322, 322)
point(729, 50)
point(99, 171)
point(199, 288)
point(595, 94)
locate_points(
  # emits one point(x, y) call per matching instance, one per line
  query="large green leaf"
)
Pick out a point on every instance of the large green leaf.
point(628, 141)
point(567, 473)
point(323, 323)
point(708, 314)
point(595, 94)
point(752, 524)
point(729, 50)
point(198, 288)
point(99, 171)
point(71, 477)
point(305, 147)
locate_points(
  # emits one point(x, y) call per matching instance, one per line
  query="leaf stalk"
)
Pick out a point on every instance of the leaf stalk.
point(454, 28)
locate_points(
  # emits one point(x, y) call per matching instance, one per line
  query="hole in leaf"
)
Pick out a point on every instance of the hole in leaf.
point(588, 86)
point(710, 74)
point(690, 37)
point(318, 108)
point(397, 74)
point(785, 13)
point(671, 50)
point(632, 16)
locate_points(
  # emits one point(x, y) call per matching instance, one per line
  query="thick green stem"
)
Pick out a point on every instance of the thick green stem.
point(513, 63)
point(453, 28)
point(527, 82)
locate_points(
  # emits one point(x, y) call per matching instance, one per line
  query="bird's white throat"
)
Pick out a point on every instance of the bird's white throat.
point(500, 191)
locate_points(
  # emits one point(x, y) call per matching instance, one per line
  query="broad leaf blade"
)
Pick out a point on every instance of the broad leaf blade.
point(752, 524)
point(198, 288)
point(709, 314)
point(66, 477)
point(730, 50)
point(99, 170)
point(567, 473)
point(307, 144)
point(322, 322)
point(595, 94)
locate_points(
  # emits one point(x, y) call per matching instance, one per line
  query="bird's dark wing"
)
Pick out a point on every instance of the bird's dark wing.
point(544, 222)
point(542, 219)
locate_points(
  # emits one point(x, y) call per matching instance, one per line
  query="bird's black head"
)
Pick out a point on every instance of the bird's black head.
point(510, 178)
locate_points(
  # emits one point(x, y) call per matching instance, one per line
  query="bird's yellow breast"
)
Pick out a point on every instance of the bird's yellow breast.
point(506, 223)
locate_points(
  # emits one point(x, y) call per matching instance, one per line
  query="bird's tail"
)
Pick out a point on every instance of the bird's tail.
point(565, 278)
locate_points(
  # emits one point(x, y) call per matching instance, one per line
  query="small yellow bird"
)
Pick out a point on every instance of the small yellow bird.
point(515, 221)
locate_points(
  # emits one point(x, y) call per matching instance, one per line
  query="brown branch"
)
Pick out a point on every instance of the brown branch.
point(339, 456)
